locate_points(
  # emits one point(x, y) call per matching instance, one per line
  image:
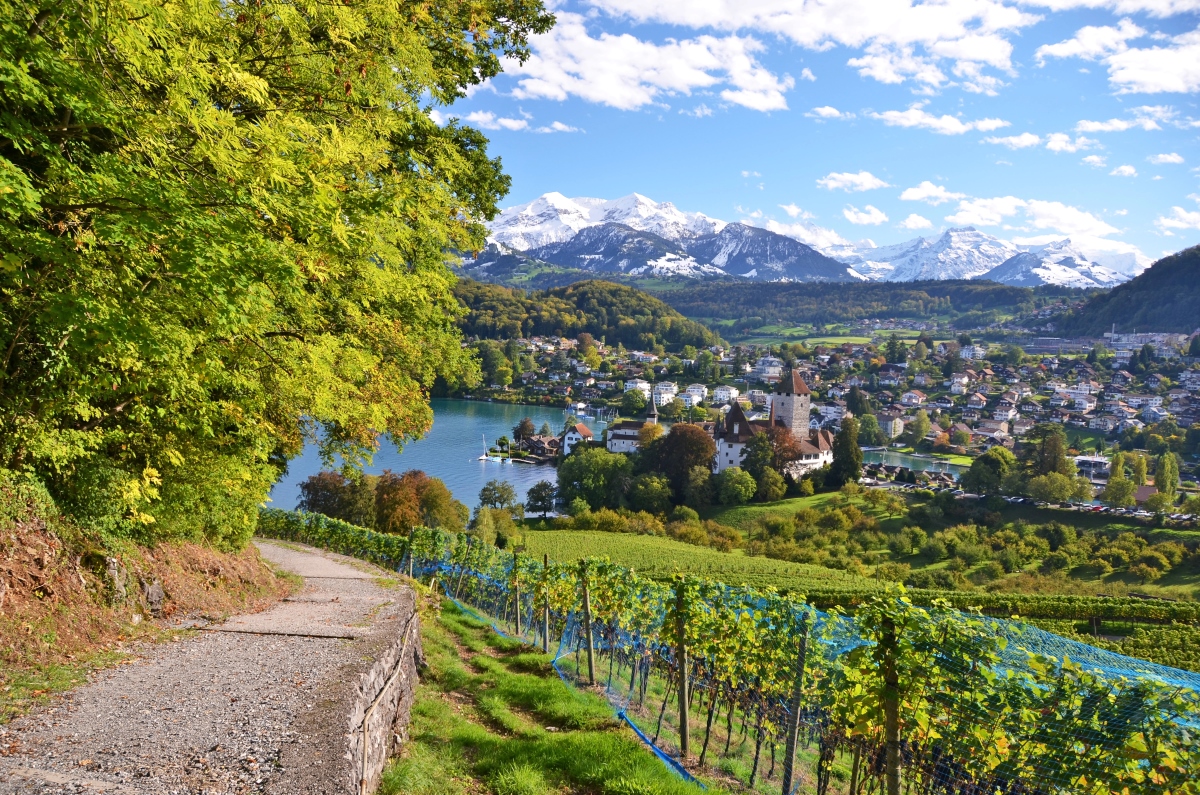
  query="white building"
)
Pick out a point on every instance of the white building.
point(574, 435)
point(666, 388)
point(640, 385)
point(768, 368)
point(725, 394)
point(700, 391)
point(790, 408)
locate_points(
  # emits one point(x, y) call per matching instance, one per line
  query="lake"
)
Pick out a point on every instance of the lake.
point(449, 451)
point(915, 463)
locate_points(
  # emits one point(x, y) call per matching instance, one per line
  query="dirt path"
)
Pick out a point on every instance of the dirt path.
point(213, 713)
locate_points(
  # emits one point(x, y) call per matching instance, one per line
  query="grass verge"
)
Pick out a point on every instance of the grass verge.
point(490, 716)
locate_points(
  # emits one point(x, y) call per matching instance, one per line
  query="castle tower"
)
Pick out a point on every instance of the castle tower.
point(792, 403)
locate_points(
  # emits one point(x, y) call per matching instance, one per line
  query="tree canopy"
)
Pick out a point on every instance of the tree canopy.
point(222, 228)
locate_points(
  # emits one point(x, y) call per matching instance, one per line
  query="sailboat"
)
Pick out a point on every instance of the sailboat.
point(488, 456)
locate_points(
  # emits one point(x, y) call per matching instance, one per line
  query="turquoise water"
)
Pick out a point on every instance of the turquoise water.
point(449, 451)
point(913, 462)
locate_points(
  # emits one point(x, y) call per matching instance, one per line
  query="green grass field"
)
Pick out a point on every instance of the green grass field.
point(661, 558)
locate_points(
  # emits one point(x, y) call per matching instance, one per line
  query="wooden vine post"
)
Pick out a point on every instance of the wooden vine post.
point(587, 622)
point(682, 660)
point(410, 552)
point(793, 724)
point(891, 707)
point(517, 591)
point(546, 604)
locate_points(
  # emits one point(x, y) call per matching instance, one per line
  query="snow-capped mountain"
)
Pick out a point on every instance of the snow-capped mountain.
point(635, 235)
point(553, 218)
point(1057, 263)
point(957, 254)
point(612, 247)
point(755, 253)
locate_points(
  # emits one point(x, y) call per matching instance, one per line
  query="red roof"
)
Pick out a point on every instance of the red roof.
point(792, 384)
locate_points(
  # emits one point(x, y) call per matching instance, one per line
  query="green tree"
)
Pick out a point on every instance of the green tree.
point(633, 402)
point(523, 431)
point(1045, 451)
point(870, 433)
point(847, 455)
point(757, 455)
point(598, 477)
point(1052, 487)
point(498, 494)
point(735, 486)
point(918, 429)
point(1015, 355)
point(920, 351)
point(540, 498)
point(650, 493)
point(503, 375)
point(1194, 346)
point(338, 496)
point(1166, 473)
point(684, 448)
point(223, 231)
point(697, 493)
point(989, 472)
point(770, 486)
point(1138, 467)
point(858, 403)
point(1120, 490)
point(672, 410)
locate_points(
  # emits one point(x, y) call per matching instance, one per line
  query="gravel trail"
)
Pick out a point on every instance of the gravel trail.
point(209, 714)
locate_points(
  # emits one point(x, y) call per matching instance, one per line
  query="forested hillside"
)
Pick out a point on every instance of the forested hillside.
point(757, 303)
point(1165, 297)
point(615, 312)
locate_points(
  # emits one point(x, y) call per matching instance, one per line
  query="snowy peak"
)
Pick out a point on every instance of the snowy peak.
point(964, 253)
point(1058, 263)
point(554, 218)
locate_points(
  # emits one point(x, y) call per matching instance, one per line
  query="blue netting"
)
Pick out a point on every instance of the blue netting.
point(984, 705)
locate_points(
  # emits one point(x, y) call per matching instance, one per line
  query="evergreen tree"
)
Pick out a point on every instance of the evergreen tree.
point(847, 455)
point(1045, 451)
point(1166, 474)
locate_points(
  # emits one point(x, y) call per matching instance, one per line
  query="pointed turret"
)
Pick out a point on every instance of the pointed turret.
point(652, 412)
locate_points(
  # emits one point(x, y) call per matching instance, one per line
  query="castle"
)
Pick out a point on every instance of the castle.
point(791, 403)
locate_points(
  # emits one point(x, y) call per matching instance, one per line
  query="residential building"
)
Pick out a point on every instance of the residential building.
point(914, 397)
point(725, 394)
point(575, 435)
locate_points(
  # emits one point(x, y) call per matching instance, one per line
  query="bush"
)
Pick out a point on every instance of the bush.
point(934, 550)
point(735, 486)
point(892, 572)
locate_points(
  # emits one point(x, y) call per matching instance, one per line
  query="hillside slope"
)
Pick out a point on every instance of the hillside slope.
point(618, 313)
point(1164, 297)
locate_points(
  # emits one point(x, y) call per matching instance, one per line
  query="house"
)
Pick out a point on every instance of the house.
point(1122, 378)
point(891, 377)
point(959, 388)
point(791, 409)
point(913, 397)
point(1060, 400)
point(690, 400)
point(1085, 403)
point(724, 394)
point(640, 385)
point(666, 388)
point(1104, 422)
point(542, 445)
point(768, 368)
point(1093, 467)
point(574, 435)
point(757, 397)
point(1022, 426)
point(957, 378)
point(923, 380)
point(891, 423)
point(623, 436)
point(1154, 414)
point(976, 401)
point(1141, 401)
point(945, 403)
point(699, 391)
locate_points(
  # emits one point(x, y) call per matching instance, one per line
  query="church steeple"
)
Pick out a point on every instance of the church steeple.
point(652, 412)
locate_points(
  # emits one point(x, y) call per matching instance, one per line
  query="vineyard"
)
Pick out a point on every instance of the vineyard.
point(746, 686)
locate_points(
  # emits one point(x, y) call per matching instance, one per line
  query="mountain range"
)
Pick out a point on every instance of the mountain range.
point(637, 237)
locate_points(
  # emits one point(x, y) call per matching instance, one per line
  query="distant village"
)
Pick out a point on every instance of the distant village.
point(966, 396)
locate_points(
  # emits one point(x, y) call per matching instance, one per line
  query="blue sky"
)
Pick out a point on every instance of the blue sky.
point(878, 119)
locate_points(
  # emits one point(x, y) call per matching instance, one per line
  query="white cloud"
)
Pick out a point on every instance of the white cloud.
point(438, 117)
point(1163, 159)
point(796, 211)
point(806, 74)
point(751, 174)
point(1022, 141)
point(1123, 171)
point(1154, 70)
point(1117, 125)
point(626, 72)
point(557, 127)
point(808, 233)
point(1092, 42)
point(1061, 218)
point(916, 116)
point(1178, 219)
point(700, 111)
point(930, 193)
point(1096, 161)
point(847, 181)
point(870, 216)
point(915, 221)
point(1061, 142)
point(828, 112)
point(487, 120)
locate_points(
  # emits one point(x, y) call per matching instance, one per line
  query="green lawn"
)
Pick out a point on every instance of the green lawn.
point(491, 716)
